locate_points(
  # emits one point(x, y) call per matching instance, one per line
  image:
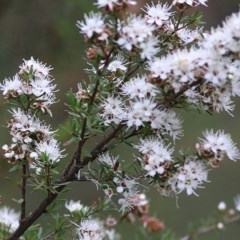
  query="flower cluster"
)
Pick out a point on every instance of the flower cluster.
point(143, 69)
point(136, 34)
point(32, 84)
point(204, 75)
point(214, 63)
point(128, 188)
point(91, 228)
point(217, 145)
point(32, 139)
point(95, 229)
point(136, 106)
point(156, 156)
point(189, 176)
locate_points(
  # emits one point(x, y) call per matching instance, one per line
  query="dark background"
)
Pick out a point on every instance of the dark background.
point(46, 30)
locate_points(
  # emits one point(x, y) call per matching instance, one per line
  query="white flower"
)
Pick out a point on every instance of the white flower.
point(221, 100)
point(91, 229)
point(15, 151)
point(188, 36)
point(127, 187)
point(33, 80)
point(109, 4)
point(139, 111)
point(218, 144)
point(233, 25)
point(234, 76)
point(133, 32)
point(171, 123)
point(111, 234)
point(12, 87)
point(112, 111)
point(108, 159)
point(158, 14)
point(220, 225)
point(222, 206)
point(156, 155)
point(160, 67)
point(94, 23)
point(189, 177)
point(217, 40)
point(9, 218)
point(149, 48)
point(177, 67)
point(237, 203)
point(35, 68)
point(192, 3)
point(138, 87)
point(73, 206)
point(117, 64)
point(49, 149)
point(125, 202)
point(225, 39)
point(42, 87)
point(23, 126)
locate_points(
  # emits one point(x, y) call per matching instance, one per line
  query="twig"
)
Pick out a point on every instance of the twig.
point(49, 236)
point(205, 230)
point(172, 100)
point(23, 191)
point(32, 217)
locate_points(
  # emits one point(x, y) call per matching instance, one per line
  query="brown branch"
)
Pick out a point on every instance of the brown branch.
point(23, 191)
point(70, 174)
point(172, 100)
point(102, 144)
point(50, 236)
point(77, 155)
point(205, 230)
point(32, 217)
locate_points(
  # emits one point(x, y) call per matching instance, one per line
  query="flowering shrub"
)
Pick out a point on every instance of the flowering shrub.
point(141, 69)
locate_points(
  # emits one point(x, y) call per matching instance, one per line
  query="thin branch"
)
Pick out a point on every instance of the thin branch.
point(102, 144)
point(178, 22)
point(23, 191)
point(215, 227)
point(32, 217)
point(49, 236)
point(130, 71)
point(172, 100)
point(84, 125)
